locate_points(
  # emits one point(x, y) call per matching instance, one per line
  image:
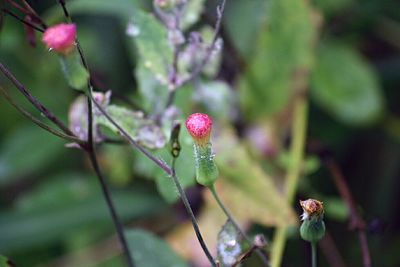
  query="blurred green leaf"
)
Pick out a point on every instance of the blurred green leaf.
point(344, 85)
point(332, 6)
point(149, 250)
point(247, 190)
point(284, 47)
point(150, 37)
point(243, 21)
point(228, 246)
point(192, 12)
point(336, 208)
point(64, 204)
point(28, 150)
point(120, 8)
point(145, 131)
point(184, 168)
point(4, 262)
point(217, 97)
point(153, 94)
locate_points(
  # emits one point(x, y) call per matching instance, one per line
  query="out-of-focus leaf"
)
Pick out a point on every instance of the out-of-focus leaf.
point(228, 247)
point(143, 130)
point(4, 262)
point(65, 204)
point(150, 37)
point(284, 48)
point(153, 93)
point(243, 21)
point(332, 6)
point(217, 97)
point(27, 150)
point(344, 85)
point(120, 8)
point(117, 164)
point(149, 251)
point(336, 208)
point(192, 12)
point(184, 168)
point(247, 190)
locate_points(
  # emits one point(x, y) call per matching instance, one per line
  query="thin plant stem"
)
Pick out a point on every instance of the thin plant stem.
point(236, 225)
point(191, 214)
point(22, 20)
point(47, 113)
point(314, 254)
point(299, 129)
point(107, 195)
point(38, 122)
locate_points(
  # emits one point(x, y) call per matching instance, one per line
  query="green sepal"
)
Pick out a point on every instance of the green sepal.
point(206, 169)
point(75, 73)
point(312, 229)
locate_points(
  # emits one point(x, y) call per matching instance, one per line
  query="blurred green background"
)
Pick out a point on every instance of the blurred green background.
point(348, 55)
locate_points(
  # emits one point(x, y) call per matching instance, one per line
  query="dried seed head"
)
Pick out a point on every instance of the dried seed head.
point(311, 208)
point(60, 38)
point(199, 126)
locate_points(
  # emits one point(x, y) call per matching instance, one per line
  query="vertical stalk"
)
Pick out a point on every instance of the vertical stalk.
point(106, 192)
point(299, 129)
point(192, 217)
point(314, 254)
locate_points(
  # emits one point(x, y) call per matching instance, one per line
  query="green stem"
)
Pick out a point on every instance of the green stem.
point(192, 217)
point(299, 129)
point(236, 225)
point(314, 254)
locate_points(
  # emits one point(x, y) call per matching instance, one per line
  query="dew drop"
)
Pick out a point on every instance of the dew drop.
point(132, 30)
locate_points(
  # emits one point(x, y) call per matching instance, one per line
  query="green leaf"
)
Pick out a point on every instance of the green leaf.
point(247, 190)
point(67, 203)
point(74, 72)
point(185, 168)
point(148, 250)
point(191, 13)
point(229, 248)
point(4, 262)
point(151, 40)
point(119, 8)
point(344, 85)
point(153, 94)
point(243, 21)
point(285, 46)
point(217, 97)
point(28, 150)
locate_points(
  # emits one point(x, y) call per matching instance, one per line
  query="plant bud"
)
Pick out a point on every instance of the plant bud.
point(313, 227)
point(199, 126)
point(60, 38)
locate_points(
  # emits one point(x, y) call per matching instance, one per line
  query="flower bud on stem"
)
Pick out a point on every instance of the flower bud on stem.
point(199, 126)
point(61, 39)
point(313, 227)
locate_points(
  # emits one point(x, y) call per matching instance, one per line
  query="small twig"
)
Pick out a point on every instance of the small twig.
point(47, 113)
point(192, 217)
point(356, 221)
point(199, 68)
point(22, 20)
point(38, 122)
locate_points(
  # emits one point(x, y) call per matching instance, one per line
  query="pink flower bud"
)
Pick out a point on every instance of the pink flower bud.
point(60, 38)
point(199, 126)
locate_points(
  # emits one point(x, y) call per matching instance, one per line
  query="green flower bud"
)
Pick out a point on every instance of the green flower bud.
point(199, 126)
point(313, 227)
